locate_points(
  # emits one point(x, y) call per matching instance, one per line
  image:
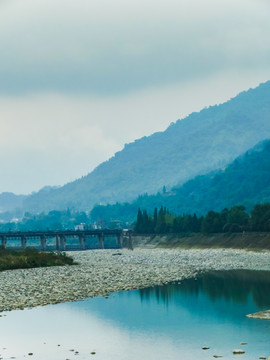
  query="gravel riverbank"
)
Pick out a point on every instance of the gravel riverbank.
point(101, 272)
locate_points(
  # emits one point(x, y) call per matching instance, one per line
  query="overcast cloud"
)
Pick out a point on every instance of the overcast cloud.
point(80, 79)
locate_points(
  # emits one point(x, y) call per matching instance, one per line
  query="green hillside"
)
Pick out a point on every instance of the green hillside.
point(246, 181)
point(200, 143)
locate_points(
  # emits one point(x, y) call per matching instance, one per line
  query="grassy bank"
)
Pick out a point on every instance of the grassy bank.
point(248, 241)
point(30, 258)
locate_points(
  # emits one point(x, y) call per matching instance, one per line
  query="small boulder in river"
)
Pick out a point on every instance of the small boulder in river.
point(238, 351)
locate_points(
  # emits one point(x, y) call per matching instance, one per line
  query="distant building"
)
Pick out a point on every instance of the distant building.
point(81, 227)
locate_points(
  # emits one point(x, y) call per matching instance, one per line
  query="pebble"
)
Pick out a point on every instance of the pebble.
point(99, 273)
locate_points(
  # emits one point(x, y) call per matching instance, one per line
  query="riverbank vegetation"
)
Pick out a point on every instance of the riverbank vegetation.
point(31, 258)
point(231, 220)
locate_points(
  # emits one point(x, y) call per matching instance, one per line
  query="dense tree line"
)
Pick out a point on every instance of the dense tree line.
point(162, 221)
point(235, 219)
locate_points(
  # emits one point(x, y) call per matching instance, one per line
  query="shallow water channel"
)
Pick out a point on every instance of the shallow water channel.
point(166, 322)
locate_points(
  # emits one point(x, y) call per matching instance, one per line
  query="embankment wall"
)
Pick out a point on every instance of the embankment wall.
point(247, 240)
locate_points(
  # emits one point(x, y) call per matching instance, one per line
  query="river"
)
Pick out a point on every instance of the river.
point(168, 322)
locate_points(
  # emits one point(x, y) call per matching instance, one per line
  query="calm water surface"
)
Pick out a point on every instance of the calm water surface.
point(168, 322)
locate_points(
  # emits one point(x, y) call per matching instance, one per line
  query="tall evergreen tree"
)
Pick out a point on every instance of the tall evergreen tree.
point(139, 222)
point(155, 217)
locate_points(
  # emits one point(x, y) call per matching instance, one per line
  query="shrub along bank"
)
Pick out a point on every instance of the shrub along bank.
point(31, 258)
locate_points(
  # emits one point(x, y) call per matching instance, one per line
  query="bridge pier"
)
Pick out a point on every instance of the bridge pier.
point(4, 241)
point(82, 241)
point(57, 242)
point(101, 240)
point(63, 242)
point(23, 242)
point(119, 240)
point(43, 242)
point(130, 241)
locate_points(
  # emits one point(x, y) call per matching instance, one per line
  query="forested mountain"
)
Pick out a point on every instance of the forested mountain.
point(200, 143)
point(246, 181)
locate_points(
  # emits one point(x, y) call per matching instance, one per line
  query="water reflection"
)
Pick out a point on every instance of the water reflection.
point(236, 286)
point(166, 322)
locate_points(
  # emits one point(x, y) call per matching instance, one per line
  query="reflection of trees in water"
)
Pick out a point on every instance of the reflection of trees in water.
point(235, 285)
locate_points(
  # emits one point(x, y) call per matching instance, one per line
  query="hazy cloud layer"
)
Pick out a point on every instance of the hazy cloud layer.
point(79, 79)
point(104, 47)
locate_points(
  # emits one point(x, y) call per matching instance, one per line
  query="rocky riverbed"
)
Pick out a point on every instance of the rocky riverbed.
point(101, 272)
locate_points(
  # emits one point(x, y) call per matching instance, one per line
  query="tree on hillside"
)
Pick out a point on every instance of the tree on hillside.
point(161, 227)
point(212, 223)
point(139, 222)
point(260, 217)
point(237, 215)
point(155, 218)
point(237, 219)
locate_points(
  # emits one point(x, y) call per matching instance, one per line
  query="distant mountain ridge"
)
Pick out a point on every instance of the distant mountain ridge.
point(198, 144)
point(10, 201)
point(246, 181)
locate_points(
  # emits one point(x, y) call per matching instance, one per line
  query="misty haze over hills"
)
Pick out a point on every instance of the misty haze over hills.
point(10, 201)
point(196, 145)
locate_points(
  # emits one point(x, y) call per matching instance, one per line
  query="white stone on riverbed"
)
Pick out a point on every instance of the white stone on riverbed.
point(99, 273)
point(265, 315)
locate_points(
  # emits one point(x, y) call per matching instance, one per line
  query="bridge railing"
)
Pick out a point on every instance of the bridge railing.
point(59, 240)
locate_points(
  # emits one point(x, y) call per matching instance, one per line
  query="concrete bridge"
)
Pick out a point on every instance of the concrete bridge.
point(57, 240)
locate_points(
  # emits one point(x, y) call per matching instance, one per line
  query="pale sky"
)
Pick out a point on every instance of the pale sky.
point(79, 79)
